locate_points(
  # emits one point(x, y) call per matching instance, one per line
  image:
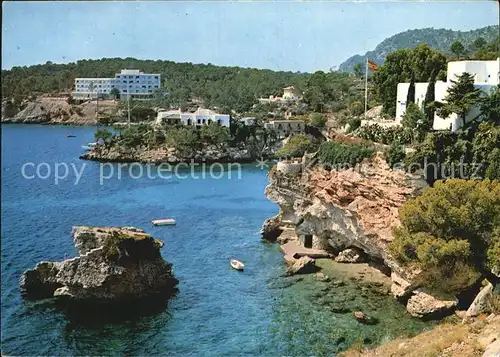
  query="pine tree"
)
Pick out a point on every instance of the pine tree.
point(430, 96)
point(410, 97)
point(460, 98)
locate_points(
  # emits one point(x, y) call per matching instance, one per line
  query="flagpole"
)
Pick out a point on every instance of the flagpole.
point(366, 86)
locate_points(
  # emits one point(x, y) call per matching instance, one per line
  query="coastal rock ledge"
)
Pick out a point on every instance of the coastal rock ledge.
point(112, 264)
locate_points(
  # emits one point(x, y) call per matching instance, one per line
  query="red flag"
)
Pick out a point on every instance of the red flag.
point(373, 66)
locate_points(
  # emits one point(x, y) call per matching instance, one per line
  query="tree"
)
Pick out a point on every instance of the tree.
point(490, 106)
point(398, 68)
point(395, 154)
point(214, 134)
point(184, 139)
point(479, 44)
point(103, 134)
point(457, 48)
point(460, 98)
point(414, 120)
point(296, 146)
point(358, 70)
point(318, 120)
point(429, 107)
point(115, 92)
point(450, 232)
point(410, 96)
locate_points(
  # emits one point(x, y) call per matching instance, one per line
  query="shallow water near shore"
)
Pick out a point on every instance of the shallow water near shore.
point(217, 311)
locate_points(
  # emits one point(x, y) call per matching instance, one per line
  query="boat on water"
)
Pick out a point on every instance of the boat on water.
point(86, 147)
point(236, 264)
point(164, 222)
point(70, 136)
point(91, 144)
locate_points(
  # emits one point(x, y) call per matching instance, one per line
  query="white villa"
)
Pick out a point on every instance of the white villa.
point(199, 118)
point(486, 77)
point(290, 94)
point(130, 82)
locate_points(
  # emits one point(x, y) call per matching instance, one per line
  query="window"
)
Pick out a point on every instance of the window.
point(203, 121)
point(124, 91)
point(136, 76)
point(143, 86)
point(156, 77)
point(156, 86)
point(199, 121)
point(150, 91)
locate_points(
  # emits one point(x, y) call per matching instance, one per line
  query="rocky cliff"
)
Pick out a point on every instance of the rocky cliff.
point(354, 208)
point(53, 110)
point(113, 264)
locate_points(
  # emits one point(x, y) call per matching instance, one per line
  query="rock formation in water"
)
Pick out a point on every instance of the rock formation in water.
point(209, 154)
point(112, 264)
point(349, 209)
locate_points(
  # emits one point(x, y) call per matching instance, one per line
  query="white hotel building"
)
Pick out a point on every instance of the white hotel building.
point(130, 82)
point(486, 77)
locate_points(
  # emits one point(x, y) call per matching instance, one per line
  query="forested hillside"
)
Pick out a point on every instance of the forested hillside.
point(438, 39)
point(232, 87)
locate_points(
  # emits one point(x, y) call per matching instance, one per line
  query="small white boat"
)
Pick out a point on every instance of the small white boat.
point(236, 264)
point(164, 222)
point(91, 144)
point(85, 147)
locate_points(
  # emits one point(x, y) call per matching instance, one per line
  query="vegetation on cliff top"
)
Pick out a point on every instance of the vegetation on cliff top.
point(338, 155)
point(451, 233)
point(296, 146)
point(186, 139)
point(121, 247)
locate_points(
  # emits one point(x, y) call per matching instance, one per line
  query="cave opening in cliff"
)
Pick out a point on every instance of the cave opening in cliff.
point(308, 241)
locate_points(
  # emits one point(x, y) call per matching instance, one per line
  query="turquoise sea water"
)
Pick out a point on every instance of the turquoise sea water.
point(217, 311)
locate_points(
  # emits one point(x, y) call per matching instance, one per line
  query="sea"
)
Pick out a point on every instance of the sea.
point(217, 311)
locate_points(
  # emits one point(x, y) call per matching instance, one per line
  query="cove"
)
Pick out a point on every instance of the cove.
point(217, 311)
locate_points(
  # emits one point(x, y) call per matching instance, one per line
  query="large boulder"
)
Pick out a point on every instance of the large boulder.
point(271, 229)
point(400, 287)
point(423, 305)
point(482, 303)
point(303, 265)
point(350, 255)
point(112, 264)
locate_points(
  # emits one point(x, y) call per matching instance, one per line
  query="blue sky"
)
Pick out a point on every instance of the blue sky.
point(298, 36)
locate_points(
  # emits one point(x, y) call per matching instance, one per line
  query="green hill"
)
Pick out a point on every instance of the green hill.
point(439, 39)
point(232, 87)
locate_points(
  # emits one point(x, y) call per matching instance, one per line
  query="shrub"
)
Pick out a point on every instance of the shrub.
point(354, 124)
point(477, 145)
point(395, 154)
point(214, 134)
point(451, 233)
point(318, 120)
point(386, 136)
point(333, 154)
point(182, 138)
point(103, 134)
point(296, 146)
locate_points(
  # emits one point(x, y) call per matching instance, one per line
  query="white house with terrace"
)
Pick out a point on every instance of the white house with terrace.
point(486, 77)
point(131, 83)
point(199, 118)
